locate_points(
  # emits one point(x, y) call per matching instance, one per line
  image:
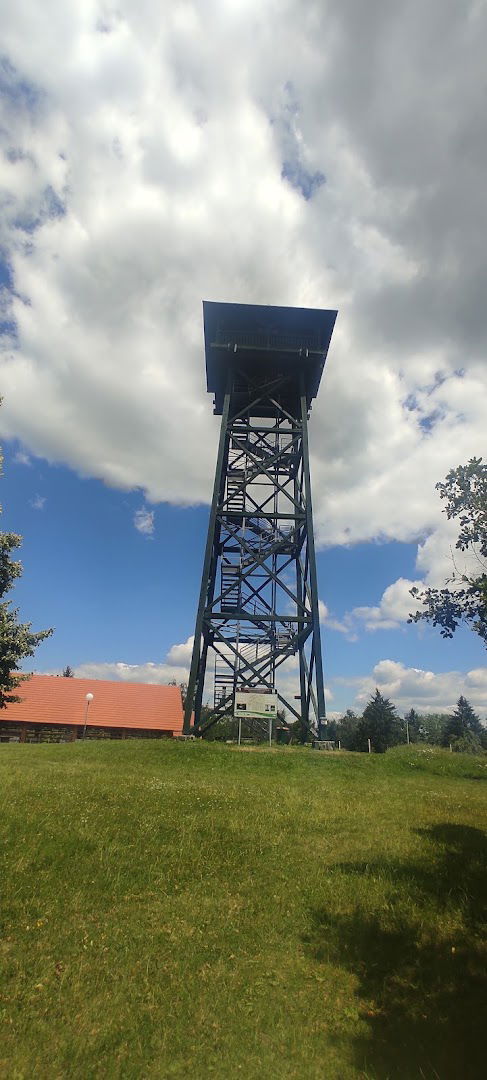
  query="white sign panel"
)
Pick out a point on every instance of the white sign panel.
point(255, 706)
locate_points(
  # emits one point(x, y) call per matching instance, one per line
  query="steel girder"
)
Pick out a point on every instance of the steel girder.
point(258, 605)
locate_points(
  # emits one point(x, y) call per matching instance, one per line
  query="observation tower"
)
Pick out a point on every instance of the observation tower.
point(258, 604)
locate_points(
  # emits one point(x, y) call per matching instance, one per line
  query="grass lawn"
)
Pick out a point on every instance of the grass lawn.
point(174, 910)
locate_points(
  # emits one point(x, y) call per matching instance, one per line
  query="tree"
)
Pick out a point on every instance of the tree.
point(330, 729)
point(465, 492)
point(16, 639)
point(432, 726)
point(466, 744)
point(379, 723)
point(68, 672)
point(412, 726)
point(462, 724)
point(224, 729)
point(346, 730)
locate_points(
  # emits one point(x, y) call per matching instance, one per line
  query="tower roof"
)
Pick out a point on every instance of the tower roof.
point(272, 338)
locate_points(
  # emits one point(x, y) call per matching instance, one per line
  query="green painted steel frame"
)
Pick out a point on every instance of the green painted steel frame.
point(278, 456)
point(254, 542)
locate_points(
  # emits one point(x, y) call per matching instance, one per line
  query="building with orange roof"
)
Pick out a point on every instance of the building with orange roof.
point(55, 708)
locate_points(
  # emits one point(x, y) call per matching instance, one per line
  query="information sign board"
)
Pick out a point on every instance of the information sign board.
point(255, 706)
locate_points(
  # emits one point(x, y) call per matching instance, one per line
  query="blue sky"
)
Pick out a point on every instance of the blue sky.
point(116, 595)
point(334, 158)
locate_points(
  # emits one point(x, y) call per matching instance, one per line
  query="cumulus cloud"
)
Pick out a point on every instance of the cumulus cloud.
point(342, 626)
point(174, 666)
point(323, 611)
point(144, 521)
point(121, 672)
point(425, 691)
point(439, 560)
point(331, 157)
point(181, 654)
point(394, 608)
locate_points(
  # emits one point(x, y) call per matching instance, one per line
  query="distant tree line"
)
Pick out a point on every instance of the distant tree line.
point(381, 723)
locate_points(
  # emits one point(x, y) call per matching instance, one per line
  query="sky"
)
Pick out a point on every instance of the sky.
point(328, 155)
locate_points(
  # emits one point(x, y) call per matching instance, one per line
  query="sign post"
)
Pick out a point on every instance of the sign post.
point(255, 706)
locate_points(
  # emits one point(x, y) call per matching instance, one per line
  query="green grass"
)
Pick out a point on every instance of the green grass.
point(198, 911)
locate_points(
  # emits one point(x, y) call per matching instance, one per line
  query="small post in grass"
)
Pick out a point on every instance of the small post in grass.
point(370, 746)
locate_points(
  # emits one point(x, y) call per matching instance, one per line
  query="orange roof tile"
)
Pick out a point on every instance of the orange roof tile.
point(49, 699)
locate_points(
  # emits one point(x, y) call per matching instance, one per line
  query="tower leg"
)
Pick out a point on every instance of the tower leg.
point(200, 683)
point(301, 608)
point(197, 669)
point(320, 689)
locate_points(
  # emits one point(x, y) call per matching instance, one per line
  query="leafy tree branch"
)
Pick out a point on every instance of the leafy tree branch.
point(463, 599)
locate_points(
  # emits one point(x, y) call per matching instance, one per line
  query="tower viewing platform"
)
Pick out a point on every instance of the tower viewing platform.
point(266, 341)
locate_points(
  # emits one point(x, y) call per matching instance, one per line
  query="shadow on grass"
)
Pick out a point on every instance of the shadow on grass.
point(423, 991)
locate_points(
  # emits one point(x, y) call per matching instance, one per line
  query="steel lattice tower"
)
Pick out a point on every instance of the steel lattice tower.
point(258, 603)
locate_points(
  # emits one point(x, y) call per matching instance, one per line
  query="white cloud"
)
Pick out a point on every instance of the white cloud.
point(425, 691)
point(394, 607)
point(323, 611)
point(341, 626)
point(174, 666)
point(438, 558)
point(149, 164)
point(38, 502)
point(144, 521)
point(121, 672)
point(181, 654)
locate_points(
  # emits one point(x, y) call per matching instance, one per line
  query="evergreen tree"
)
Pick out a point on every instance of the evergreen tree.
point(462, 722)
point(16, 639)
point(379, 723)
point(68, 672)
point(412, 726)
